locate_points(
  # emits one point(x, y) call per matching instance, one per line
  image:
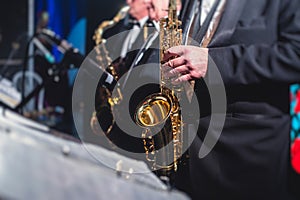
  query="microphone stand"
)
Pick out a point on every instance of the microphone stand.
point(38, 88)
point(71, 56)
point(25, 66)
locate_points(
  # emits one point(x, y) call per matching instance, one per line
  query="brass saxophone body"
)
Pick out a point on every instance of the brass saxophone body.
point(107, 101)
point(163, 107)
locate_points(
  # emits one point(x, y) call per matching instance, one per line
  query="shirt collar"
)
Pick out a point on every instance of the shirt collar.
point(143, 21)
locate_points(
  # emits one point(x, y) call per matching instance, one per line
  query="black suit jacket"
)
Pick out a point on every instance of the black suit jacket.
point(128, 140)
point(256, 49)
point(136, 85)
point(116, 35)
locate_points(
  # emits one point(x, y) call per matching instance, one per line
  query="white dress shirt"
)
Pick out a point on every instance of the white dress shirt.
point(132, 36)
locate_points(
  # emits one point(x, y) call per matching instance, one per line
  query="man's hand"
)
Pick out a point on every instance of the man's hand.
point(187, 62)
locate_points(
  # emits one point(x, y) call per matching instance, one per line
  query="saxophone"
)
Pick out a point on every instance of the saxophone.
point(104, 60)
point(102, 53)
point(163, 107)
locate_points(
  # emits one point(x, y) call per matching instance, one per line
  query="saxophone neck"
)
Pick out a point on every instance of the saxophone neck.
point(172, 10)
point(109, 23)
point(173, 5)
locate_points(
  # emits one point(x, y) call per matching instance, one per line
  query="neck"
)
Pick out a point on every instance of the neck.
point(140, 16)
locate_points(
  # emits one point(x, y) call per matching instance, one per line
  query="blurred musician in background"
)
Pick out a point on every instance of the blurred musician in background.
point(132, 24)
point(149, 34)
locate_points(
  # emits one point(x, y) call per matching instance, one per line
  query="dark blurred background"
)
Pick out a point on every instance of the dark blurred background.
point(73, 20)
point(63, 18)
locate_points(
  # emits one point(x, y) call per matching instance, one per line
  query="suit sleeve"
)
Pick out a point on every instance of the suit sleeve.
point(257, 63)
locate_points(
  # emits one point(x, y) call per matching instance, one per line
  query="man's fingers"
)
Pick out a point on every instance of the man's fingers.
point(183, 69)
point(173, 63)
point(173, 52)
point(176, 72)
point(182, 78)
point(171, 73)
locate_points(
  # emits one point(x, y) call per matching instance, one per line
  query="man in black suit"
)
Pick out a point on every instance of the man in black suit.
point(123, 41)
point(255, 46)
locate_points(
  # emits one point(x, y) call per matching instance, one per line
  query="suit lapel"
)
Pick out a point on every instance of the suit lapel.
point(232, 12)
point(186, 15)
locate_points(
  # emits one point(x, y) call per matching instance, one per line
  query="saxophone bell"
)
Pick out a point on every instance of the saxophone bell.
point(153, 111)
